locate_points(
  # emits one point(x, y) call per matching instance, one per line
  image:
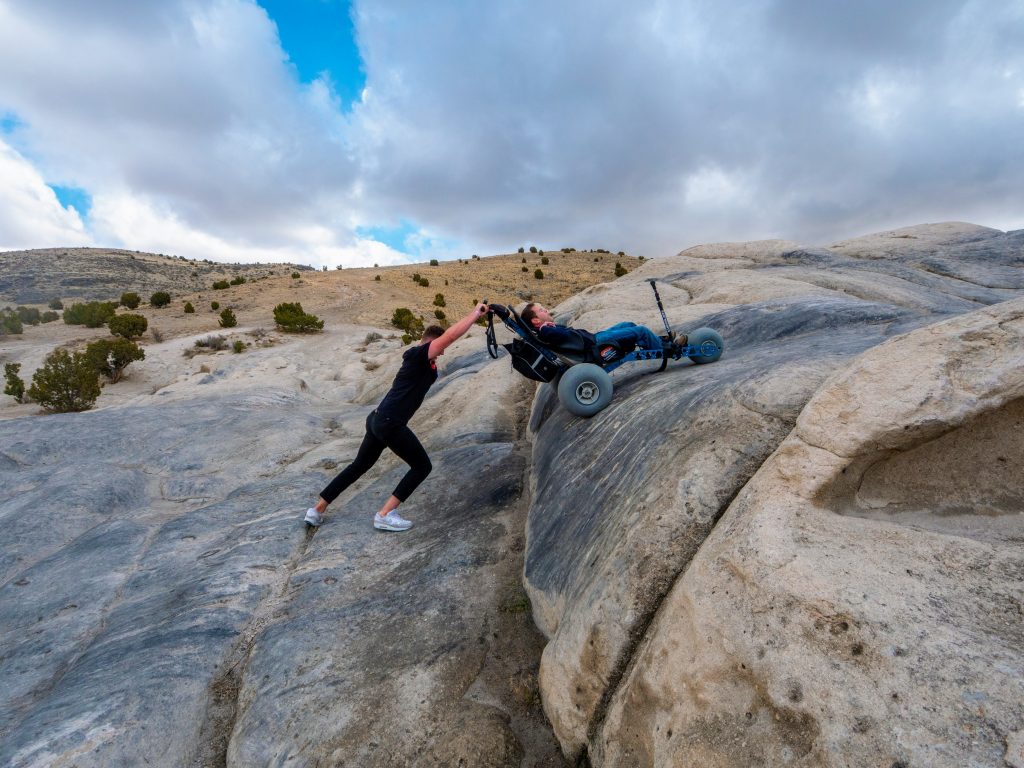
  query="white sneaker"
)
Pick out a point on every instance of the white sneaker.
point(392, 521)
point(313, 518)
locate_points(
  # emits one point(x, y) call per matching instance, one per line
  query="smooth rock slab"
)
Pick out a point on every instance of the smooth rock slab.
point(623, 501)
point(804, 634)
point(177, 599)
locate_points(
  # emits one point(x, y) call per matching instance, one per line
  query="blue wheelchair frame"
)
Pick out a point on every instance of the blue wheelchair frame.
point(513, 322)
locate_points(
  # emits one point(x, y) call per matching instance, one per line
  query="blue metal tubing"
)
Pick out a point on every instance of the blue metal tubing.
point(650, 354)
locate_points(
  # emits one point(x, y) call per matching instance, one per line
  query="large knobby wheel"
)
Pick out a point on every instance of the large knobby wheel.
point(585, 389)
point(709, 343)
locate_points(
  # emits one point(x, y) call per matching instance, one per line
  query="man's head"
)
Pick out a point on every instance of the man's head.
point(535, 315)
point(432, 332)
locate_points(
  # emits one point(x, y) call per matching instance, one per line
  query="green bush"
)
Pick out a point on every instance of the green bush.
point(406, 338)
point(214, 305)
point(109, 357)
point(289, 316)
point(621, 253)
point(221, 285)
point(10, 324)
point(189, 309)
point(433, 262)
point(160, 299)
point(49, 316)
point(415, 277)
point(439, 314)
point(404, 318)
point(15, 386)
point(539, 274)
point(424, 282)
point(545, 260)
point(524, 259)
point(66, 383)
point(377, 278)
point(238, 346)
point(533, 249)
point(128, 326)
point(92, 314)
point(29, 315)
point(228, 319)
point(130, 300)
point(439, 300)
point(522, 250)
point(295, 275)
point(56, 304)
point(526, 268)
point(620, 270)
point(240, 279)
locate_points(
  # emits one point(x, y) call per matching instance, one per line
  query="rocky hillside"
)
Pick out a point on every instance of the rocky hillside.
point(807, 553)
point(42, 274)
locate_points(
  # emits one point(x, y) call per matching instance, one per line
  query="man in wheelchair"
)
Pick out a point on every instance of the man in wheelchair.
point(622, 336)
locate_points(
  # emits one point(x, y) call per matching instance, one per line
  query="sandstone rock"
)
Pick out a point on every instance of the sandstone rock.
point(622, 502)
point(161, 602)
point(804, 633)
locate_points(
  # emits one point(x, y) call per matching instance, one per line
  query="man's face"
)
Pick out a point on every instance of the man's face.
point(541, 316)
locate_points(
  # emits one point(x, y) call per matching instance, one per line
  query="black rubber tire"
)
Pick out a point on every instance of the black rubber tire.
point(585, 389)
point(710, 343)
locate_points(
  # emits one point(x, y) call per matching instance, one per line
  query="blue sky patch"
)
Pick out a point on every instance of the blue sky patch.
point(318, 35)
point(394, 237)
point(9, 123)
point(77, 198)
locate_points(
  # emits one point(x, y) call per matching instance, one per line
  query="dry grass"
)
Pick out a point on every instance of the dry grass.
point(351, 296)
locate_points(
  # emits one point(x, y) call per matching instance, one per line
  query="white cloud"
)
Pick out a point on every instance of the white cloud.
point(647, 126)
point(124, 218)
point(30, 214)
point(574, 121)
point(185, 116)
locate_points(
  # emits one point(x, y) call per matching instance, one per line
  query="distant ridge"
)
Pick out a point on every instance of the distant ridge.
point(39, 275)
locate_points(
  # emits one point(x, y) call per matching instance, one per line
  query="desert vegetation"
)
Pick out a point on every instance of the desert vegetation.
point(91, 314)
point(13, 385)
point(228, 319)
point(67, 382)
point(290, 316)
point(411, 325)
point(128, 326)
point(110, 357)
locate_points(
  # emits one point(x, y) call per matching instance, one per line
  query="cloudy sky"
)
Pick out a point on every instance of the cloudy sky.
point(330, 132)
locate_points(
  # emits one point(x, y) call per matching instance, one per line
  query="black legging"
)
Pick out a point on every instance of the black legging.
point(381, 433)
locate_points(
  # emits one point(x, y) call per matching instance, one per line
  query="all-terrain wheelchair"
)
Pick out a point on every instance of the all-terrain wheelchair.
point(580, 369)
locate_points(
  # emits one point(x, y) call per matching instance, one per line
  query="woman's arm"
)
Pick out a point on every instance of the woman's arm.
point(440, 344)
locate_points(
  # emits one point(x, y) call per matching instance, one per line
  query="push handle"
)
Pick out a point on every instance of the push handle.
point(661, 308)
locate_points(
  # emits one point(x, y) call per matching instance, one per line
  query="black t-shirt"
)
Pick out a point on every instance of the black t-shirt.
point(410, 386)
